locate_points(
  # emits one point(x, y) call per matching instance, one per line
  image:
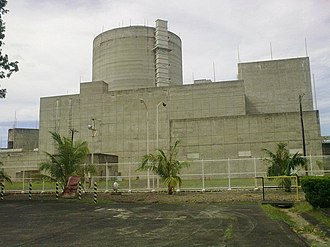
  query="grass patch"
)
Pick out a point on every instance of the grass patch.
point(313, 234)
point(229, 232)
point(305, 207)
point(278, 215)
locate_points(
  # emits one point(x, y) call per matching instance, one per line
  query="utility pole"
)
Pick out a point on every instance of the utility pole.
point(302, 129)
point(73, 130)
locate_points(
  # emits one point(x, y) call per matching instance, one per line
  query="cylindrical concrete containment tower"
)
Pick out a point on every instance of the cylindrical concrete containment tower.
point(137, 57)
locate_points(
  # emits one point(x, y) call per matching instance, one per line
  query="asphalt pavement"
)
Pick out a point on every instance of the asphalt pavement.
point(62, 223)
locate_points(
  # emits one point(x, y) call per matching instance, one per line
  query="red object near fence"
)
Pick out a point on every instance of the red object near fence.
point(71, 187)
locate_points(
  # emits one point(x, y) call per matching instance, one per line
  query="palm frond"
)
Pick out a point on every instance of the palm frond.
point(165, 165)
point(4, 177)
point(282, 163)
point(67, 160)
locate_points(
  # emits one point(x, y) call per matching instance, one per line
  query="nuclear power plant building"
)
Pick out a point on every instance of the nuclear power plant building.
point(136, 103)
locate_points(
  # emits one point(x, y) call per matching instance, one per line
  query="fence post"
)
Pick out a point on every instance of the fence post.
point(255, 173)
point(2, 189)
point(85, 177)
point(153, 181)
point(229, 182)
point(106, 177)
point(43, 185)
point(129, 177)
point(56, 190)
point(263, 188)
point(95, 192)
point(79, 191)
point(203, 177)
point(30, 191)
point(310, 162)
point(23, 180)
point(297, 188)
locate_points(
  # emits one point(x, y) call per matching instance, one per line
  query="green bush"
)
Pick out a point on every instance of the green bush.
point(317, 191)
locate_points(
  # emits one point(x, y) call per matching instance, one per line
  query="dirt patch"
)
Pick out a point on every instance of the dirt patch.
point(202, 197)
point(310, 232)
point(178, 197)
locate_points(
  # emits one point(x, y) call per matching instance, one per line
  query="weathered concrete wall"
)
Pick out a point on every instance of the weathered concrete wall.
point(121, 119)
point(20, 161)
point(232, 137)
point(274, 86)
point(26, 139)
point(207, 100)
point(213, 120)
point(59, 113)
point(125, 58)
point(210, 119)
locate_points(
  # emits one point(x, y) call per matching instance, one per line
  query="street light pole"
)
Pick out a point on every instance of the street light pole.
point(302, 125)
point(73, 130)
point(157, 131)
point(302, 129)
point(148, 172)
point(157, 123)
point(93, 129)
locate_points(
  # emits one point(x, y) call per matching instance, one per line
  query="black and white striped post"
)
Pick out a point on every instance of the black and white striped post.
point(2, 190)
point(30, 191)
point(56, 191)
point(79, 191)
point(95, 192)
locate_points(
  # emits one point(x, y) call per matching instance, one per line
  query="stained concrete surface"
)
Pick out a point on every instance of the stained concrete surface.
point(51, 223)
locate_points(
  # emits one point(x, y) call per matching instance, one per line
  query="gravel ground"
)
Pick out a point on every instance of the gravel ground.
point(198, 197)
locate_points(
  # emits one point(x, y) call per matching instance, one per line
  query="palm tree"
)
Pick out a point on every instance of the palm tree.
point(3, 175)
point(281, 163)
point(68, 159)
point(166, 166)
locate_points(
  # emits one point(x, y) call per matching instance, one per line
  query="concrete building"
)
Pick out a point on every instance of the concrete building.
point(137, 57)
point(213, 120)
point(326, 145)
point(22, 138)
point(136, 102)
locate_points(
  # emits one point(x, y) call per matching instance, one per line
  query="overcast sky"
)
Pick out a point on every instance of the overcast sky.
point(52, 40)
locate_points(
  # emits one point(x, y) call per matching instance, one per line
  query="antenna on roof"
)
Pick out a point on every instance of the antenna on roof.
point(193, 77)
point(15, 121)
point(271, 50)
point(213, 71)
point(306, 53)
point(315, 101)
point(14, 128)
point(238, 57)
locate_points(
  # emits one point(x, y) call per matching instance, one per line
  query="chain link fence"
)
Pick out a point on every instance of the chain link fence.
point(201, 175)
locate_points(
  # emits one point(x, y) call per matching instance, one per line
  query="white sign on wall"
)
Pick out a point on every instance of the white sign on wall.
point(244, 153)
point(193, 156)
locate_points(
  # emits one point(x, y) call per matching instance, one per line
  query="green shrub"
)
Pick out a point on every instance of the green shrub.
point(317, 191)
